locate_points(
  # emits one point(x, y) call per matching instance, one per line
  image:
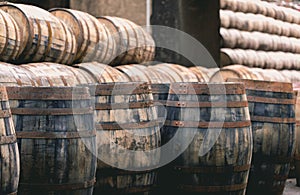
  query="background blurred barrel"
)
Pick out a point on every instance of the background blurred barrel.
point(218, 156)
point(45, 37)
point(93, 38)
point(271, 106)
point(56, 138)
point(9, 160)
point(135, 45)
point(203, 73)
point(126, 122)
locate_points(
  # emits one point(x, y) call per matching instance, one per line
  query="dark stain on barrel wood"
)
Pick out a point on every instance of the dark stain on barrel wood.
point(56, 137)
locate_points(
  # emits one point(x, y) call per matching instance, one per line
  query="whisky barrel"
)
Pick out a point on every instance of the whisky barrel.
point(47, 74)
point(102, 73)
point(135, 44)
point(177, 72)
point(214, 121)
point(126, 120)
point(93, 38)
point(9, 160)
point(10, 38)
point(56, 138)
point(271, 106)
point(46, 38)
point(160, 96)
point(140, 73)
point(11, 75)
point(236, 71)
point(296, 87)
point(203, 73)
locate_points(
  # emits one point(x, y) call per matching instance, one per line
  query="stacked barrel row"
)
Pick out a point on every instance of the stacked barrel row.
point(259, 34)
point(31, 34)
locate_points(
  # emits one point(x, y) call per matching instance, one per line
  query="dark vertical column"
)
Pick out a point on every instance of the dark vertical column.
point(198, 18)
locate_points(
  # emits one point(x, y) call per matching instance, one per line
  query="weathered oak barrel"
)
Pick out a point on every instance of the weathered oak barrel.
point(203, 73)
point(9, 160)
point(135, 45)
point(56, 138)
point(296, 87)
point(211, 123)
point(93, 38)
point(10, 38)
point(46, 38)
point(127, 131)
point(271, 106)
point(160, 96)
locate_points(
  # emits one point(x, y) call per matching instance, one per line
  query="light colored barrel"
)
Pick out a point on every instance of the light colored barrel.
point(203, 73)
point(46, 38)
point(10, 38)
point(126, 117)
point(56, 137)
point(9, 160)
point(93, 38)
point(135, 45)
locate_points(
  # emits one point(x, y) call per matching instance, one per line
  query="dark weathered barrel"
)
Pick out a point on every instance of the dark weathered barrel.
point(211, 124)
point(135, 45)
point(93, 38)
point(160, 96)
point(46, 38)
point(126, 122)
point(271, 106)
point(9, 160)
point(10, 39)
point(56, 138)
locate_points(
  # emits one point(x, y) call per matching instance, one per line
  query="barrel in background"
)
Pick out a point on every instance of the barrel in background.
point(126, 121)
point(56, 138)
point(205, 115)
point(9, 160)
point(271, 106)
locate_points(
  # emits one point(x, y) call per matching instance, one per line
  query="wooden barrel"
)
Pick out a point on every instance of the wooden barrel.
point(56, 138)
point(126, 117)
point(10, 38)
point(46, 38)
point(102, 73)
point(203, 73)
point(296, 88)
point(215, 120)
point(9, 160)
point(160, 96)
point(93, 38)
point(236, 71)
point(140, 73)
point(11, 75)
point(271, 106)
point(177, 72)
point(135, 45)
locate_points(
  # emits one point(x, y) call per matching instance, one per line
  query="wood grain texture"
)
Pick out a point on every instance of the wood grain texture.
point(9, 160)
point(45, 37)
point(122, 129)
point(57, 143)
point(274, 140)
point(231, 151)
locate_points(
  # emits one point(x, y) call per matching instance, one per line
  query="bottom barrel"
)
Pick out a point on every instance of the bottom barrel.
point(208, 126)
point(56, 138)
point(127, 131)
point(9, 153)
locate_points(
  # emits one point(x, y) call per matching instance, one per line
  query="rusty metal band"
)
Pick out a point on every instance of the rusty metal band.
point(51, 111)
point(117, 126)
point(122, 89)
point(224, 169)
point(206, 91)
point(55, 135)
point(272, 119)
point(41, 93)
point(297, 123)
point(160, 88)
point(195, 124)
point(207, 104)
point(269, 86)
point(5, 113)
point(160, 102)
point(226, 188)
point(3, 94)
point(257, 99)
point(8, 139)
point(130, 105)
point(59, 187)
